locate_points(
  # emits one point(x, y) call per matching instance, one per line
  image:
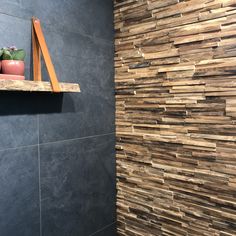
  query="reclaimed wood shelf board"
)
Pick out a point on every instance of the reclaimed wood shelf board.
point(35, 86)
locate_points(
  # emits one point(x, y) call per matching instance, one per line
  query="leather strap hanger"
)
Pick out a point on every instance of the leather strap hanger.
point(40, 47)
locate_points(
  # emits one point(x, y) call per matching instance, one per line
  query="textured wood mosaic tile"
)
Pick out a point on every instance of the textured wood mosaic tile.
point(175, 79)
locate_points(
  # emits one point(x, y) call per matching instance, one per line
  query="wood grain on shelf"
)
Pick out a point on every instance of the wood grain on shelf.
point(35, 86)
point(175, 78)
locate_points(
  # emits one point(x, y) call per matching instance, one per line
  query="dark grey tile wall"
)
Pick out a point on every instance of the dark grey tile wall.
point(19, 198)
point(57, 159)
point(77, 179)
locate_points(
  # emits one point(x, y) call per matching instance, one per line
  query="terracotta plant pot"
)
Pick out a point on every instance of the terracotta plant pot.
point(12, 67)
point(0, 66)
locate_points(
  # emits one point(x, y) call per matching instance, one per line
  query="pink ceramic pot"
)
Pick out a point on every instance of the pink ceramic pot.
point(0, 66)
point(12, 67)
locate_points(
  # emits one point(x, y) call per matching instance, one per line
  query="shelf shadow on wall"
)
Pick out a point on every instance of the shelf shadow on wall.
point(23, 103)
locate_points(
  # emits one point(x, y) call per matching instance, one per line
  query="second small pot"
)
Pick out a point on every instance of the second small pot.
point(13, 67)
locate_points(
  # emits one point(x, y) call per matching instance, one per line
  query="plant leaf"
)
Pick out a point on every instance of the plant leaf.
point(18, 54)
point(6, 55)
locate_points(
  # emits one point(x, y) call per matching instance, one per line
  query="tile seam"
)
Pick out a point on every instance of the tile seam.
point(53, 142)
point(103, 228)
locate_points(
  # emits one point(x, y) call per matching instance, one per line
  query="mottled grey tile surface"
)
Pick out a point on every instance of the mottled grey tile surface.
point(93, 18)
point(18, 8)
point(19, 198)
point(18, 119)
point(78, 58)
point(82, 115)
point(78, 186)
point(18, 130)
point(91, 112)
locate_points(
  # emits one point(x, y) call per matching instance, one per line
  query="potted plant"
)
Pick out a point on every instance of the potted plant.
point(13, 61)
point(1, 52)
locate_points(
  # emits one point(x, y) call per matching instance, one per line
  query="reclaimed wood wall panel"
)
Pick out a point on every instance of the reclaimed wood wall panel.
point(175, 79)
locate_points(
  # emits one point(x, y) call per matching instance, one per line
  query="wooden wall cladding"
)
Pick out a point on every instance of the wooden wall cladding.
point(175, 79)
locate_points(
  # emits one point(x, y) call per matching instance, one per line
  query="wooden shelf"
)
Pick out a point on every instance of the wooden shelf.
point(36, 86)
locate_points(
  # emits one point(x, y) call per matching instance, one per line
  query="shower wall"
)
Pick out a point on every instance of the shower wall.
point(175, 82)
point(57, 152)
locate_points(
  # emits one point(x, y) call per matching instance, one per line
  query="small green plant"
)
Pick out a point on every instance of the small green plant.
point(12, 53)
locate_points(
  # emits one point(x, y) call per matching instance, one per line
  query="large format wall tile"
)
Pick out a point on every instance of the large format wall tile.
point(18, 130)
point(19, 198)
point(75, 44)
point(81, 59)
point(83, 114)
point(78, 186)
point(93, 18)
point(18, 119)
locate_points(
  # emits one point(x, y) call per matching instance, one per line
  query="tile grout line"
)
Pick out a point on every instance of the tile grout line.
point(103, 228)
point(19, 147)
point(47, 143)
point(39, 176)
point(74, 139)
point(11, 15)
